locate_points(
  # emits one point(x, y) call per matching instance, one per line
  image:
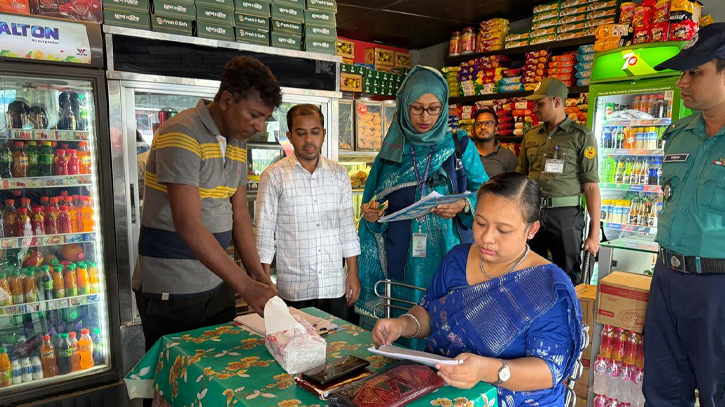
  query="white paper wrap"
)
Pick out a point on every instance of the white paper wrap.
point(291, 340)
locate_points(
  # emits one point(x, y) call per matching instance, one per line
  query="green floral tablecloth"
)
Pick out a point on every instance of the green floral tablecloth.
point(226, 365)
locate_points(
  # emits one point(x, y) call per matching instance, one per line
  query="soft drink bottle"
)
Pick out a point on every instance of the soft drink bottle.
point(630, 348)
point(46, 159)
point(73, 213)
point(58, 284)
point(6, 161)
point(638, 398)
point(618, 342)
point(99, 353)
point(606, 347)
point(619, 175)
point(613, 382)
point(75, 359)
point(20, 161)
point(85, 349)
point(70, 278)
point(33, 156)
point(25, 203)
point(600, 401)
point(36, 367)
point(65, 224)
point(639, 360)
point(30, 288)
point(6, 372)
point(17, 371)
point(612, 402)
point(10, 219)
point(85, 156)
point(16, 287)
point(600, 372)
point(38, 221)
point(87, 214)
point(48, 358)
point(27, 369)
point(46, 283)
point(51, 220)
point(64, 354)
point(25, 228)
point(61, 163)
point(83, 283)
point(6, 296)
point(93, 279)
point(73, 163)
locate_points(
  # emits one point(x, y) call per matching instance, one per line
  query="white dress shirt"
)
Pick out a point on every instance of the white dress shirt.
point(311, 217)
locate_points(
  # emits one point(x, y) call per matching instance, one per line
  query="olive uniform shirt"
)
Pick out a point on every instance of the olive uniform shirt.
point(692, 220)
point(500, 160)
point(578, 149)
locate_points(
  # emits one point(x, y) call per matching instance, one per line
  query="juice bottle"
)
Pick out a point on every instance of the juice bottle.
point(83, 283)
point(46, 283)
point(17, 371)
point(46, 159)
point(47, 357)
point(38, 221)
point(5, 368)
point(64, 354)
point(629, 140)
point(85, 156)
point(58, 284)
point(25, 228)
point(75, 359)
point(25, 203)
point(15, 281)
point(10, 219)
point(5, 286)
point(70, 278)
point(44, 201)
point(51, 220)
point(6, 161)
point(54, 203)
point(85, 349)
point(20, 161)
point(87, 215)
point(72, 212)
point(61, 163)
point(33, 156)
point(30, 287)
point(73, 163)
point(99, 353)
point(65, 224)
point(618, 342)
point(93, 282)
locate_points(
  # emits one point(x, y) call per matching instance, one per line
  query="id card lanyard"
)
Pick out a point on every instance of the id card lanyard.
point(420, 239)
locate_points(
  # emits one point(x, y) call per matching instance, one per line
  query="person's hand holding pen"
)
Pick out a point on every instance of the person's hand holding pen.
point(388, 330)
point(373, 210)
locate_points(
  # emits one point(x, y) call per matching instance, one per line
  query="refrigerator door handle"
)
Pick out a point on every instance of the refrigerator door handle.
point(132, 188)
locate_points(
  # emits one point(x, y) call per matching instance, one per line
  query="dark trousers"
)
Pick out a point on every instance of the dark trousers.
point(684, 339)
point(561, 233)
point(335, 306)
point(163, 317)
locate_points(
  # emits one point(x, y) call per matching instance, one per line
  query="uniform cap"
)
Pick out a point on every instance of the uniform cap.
point(550, 87)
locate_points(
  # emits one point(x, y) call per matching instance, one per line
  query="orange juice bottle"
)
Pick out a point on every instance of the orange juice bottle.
point(75, 358)
point(83, 283)
point(89, 223)
point(30, 287)
point(85, 349)
point(70, 278)
point(47, 357)
point(58, 285)
point(16, 287)
point(73, 213)
point(5, 286)
point(85, 156)
point(6, 374)
point(93, 281)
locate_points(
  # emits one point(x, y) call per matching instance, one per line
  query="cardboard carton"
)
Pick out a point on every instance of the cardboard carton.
point(255, 37)
point(623, 300)
point(215, 31)
point(252, 8)
point(135, 6)
point(251, 22)
point(174, 9)
point(125, 18)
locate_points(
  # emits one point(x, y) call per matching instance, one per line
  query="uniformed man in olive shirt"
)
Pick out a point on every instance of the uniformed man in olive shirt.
point(684, 329)
point(561, 156)
point(495, 158)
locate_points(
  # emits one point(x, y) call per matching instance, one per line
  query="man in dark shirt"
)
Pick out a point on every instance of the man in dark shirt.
point(495, 158)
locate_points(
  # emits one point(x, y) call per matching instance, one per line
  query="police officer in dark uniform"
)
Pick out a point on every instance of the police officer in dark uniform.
point(561, 156)
point(684, 331)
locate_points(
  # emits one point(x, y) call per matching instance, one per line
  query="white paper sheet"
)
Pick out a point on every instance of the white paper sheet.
point(425, 358)
point(255, 324)
point(424, 206)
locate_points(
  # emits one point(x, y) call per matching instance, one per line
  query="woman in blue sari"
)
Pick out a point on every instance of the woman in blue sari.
point(509, 314)
point(418, 156)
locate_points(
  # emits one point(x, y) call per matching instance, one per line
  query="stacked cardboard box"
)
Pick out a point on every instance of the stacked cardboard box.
point(544, 23)
point(381, 83)
point(127, 13)
point(320, 29)
point(251, 19)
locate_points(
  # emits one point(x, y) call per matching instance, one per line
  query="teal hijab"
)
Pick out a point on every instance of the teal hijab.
point(420, 80)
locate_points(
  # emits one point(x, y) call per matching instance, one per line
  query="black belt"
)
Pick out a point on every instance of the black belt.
point(692, 264)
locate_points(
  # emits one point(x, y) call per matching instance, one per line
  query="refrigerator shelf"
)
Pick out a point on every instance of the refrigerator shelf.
point(631, 152)
point(29, 386)
point(49, 305)
point(630, 228)
point(45, 135)
point(637, 123)
point(46, 240)
point(655, 189)
point(637, 243)
point(57, 181)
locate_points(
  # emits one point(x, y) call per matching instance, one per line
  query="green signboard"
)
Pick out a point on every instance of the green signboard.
point(635, 61)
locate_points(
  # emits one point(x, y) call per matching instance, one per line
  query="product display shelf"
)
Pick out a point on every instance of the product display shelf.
point(44, 135)
point(630, 228)
point(573, 91)
point(655, 189)
point(55, 181)
point(46, 240)
point(631, 152)
point(637, 123)
point(635, 242)
point(49, 305)
point(554, 46)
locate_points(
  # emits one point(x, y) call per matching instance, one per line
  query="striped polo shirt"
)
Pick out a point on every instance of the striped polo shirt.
point(187, 149)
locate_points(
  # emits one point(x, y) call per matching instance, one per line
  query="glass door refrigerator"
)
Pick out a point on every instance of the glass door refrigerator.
point(631, 106)
point(58, 303)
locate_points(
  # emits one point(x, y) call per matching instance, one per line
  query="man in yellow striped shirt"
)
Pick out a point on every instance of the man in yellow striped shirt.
point(195, 203)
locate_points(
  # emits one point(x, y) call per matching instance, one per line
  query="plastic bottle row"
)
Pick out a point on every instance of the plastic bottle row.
point(632, 138)
point(33, 284)
point(60, 214)
point(35, 160)
point(653, 104)
point(633, 210)
point(617, 384)
point(632, 170)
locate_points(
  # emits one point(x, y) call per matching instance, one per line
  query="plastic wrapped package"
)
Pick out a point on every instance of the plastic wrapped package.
point(685, 10)
point(496, 24)
point(661, 13)
point(517, 36)
point(535, 34)
point(510, 80)
point(543, 39)
point(602, 5)
point(603, 13)
point(586, 49)
point(576, 18)
point(584, 66)
point(565, 28)
point(606, 44)
point(683, 31)
point(593, 24)
point(582, 82)
point(345, 124)
point(511, 72)
point(642, 35)
point(642, 17)
point(583, 74)
point(573, 3)
point(572, 34)
point(511, 88)
point(517, 44)
point(626, 12)
point(660, 32)
point(542, 8)
point(581, 58)
point(573, 11)
point(612, 30)
point(552, 22)
point(547, 15)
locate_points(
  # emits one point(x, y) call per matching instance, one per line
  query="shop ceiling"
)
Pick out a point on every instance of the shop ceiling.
point(417, 24)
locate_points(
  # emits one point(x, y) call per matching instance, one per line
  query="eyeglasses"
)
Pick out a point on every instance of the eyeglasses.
point(487, 123)
point(432, 111)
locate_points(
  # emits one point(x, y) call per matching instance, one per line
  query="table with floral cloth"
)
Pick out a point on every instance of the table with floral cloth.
point(225, 365)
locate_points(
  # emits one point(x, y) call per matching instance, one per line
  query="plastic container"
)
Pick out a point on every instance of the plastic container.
point(48, 358)
point(389, 107)
point(85, 349)
point(75, 359)
point(6, 373)
point(368, 125)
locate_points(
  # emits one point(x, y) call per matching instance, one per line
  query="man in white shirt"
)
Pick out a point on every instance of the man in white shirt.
point(305, 203)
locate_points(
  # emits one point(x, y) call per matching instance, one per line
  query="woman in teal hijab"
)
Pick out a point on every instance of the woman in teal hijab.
point(418, 156)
